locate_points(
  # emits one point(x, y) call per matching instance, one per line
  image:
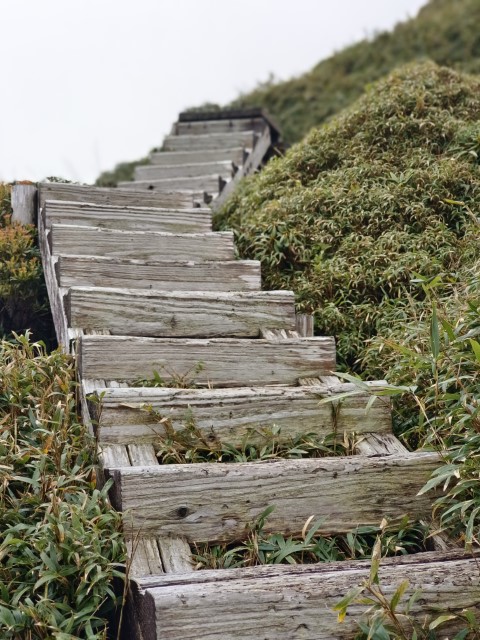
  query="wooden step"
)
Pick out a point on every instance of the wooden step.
point(288, 602)
point(218, 126)
point(209, 183)
point(167, 275)
point(217, 502)
point(73, 239)
point(244, 139)
point(233, 154)
point(137, 414)
point(226, 361)
point(158, 172)
point(179, 314)
point(127, 218)
point(114, 196)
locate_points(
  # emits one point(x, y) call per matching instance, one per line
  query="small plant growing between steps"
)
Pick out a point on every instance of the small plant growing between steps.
point(172, 379)
point(192, 445)
point(260, 548)
point(390, 618)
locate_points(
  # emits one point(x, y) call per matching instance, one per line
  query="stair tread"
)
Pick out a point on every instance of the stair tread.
point(211, 502)
point(214, 275)
point(214, 361)
point(228, 414)
point(128, 217)
point(203, 314)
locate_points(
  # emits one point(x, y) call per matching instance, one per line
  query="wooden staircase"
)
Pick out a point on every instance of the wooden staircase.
point(138, 284)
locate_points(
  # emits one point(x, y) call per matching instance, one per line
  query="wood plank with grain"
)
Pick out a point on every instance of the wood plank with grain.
point(114, 196)
point(218, 126)
point(157, 172)
point(167, 275)
point(297, 602)
point(211, 183)
point(217, 502)
point(127, 218)
point(234, 154)
point(138, 414)
point(78, 240)
point(217, 361)
point(209, 141)
point(203, 314)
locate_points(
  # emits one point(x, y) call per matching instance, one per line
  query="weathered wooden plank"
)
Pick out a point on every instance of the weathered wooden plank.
point(144, 557)
point(114, 455)
point(210, 141)
point(304, 322)
point(141, 244)
point(157, 172)
point(300, 604)
point(234, 154)
point(55, 293)
point(211, 183)
point(217, 502)
point(176, 555)
point(114, 196)
point(223, 361)
point(127, 218)
point(24, 203)
point(141, 455)
point(373, 444)
point(203, 314)
point(214, 275)
point(218, 126)
point(137, 414)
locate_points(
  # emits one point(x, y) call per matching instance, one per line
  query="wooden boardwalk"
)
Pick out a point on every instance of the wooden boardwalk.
point(138, 284)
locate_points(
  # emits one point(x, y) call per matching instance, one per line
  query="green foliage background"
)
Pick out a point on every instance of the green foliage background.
point(384, 191)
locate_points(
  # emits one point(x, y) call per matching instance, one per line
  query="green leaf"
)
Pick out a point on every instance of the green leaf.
point(434, 334)
point(397, 596)
point(440, 620)
point(476, 348)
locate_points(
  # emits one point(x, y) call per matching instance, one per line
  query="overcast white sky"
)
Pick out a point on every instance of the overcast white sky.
point(89, 83)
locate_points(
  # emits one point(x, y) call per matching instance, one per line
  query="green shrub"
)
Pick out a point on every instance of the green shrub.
point(385, 191)
point(23, 295)
point(60, 545)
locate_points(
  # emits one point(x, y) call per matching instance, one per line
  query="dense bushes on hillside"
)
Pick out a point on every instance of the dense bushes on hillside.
point(387, 190)
point(445, 31)
point(23, 296)
point(59, 539)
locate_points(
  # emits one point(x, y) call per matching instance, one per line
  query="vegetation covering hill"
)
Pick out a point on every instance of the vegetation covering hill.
point(445, 31)
point(381, 195)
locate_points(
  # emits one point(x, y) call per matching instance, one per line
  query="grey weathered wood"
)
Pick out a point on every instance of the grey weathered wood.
point(225, 361)
point(218, 126)
point(210, 141)
point(114, 455)
point(298, 604)
point(304, 322)
point(215, 275)
point(373, 444)
point(157, 172)
point(141, 455)
point(128, 218)
point(55, 294)
point(201, 314)
point(176, 555)
point(143, 557)
point(251, 164)
point(234, 154)
point(113, 196)
point(138, 414)
point(217, 502)
point(24, 203)
point(211, 183)
point(144, 245)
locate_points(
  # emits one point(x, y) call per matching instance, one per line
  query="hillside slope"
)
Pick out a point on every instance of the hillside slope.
point(383, 192)
point(445, 31)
